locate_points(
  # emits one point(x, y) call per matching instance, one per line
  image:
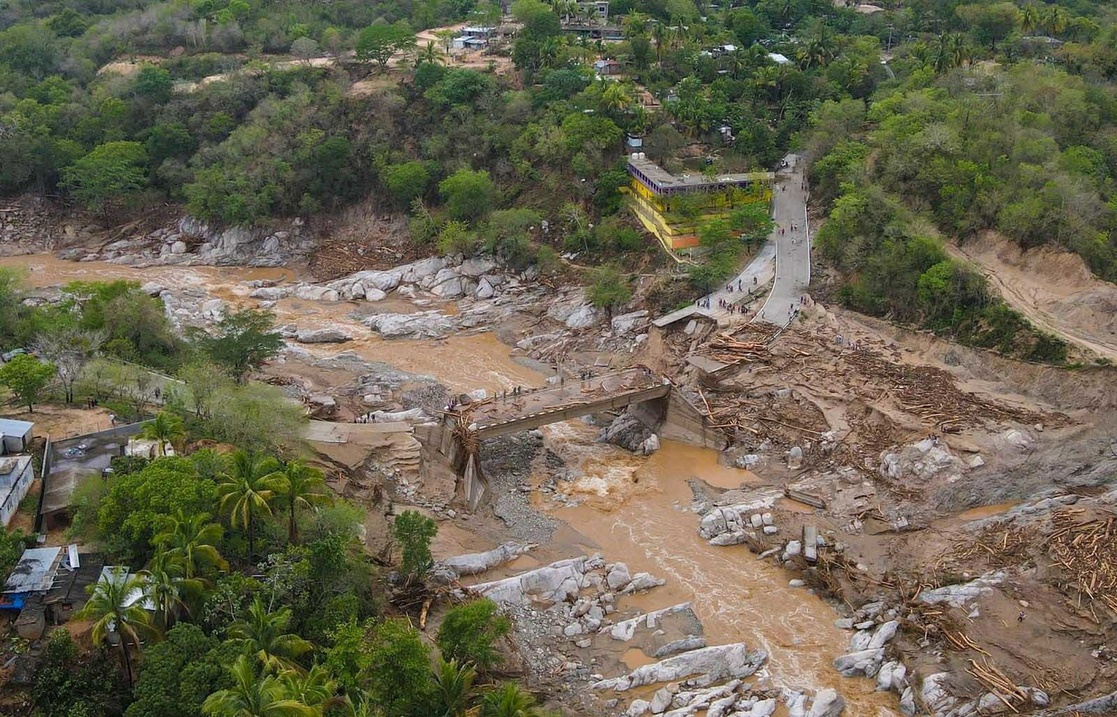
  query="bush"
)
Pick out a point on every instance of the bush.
point(469, 633)
point(414, 532)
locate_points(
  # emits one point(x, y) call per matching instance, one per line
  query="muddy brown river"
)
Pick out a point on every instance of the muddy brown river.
point(634, 509)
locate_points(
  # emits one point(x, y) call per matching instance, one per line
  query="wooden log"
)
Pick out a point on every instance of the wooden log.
point(812, 500)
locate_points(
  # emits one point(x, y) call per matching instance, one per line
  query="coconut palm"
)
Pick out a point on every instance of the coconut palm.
point(314, 688)
point(116, 609)
point(1029, 19)
point(264, 634)
point(659, 36)
point(169, 589)
point(509, 700)
point(1056, 20)
point(254, 696)
point(430, 54)
point(246, 490)
point(616, 98)
point(165, 428)
point(299, 486)
point(453, 688)
point(190, 540)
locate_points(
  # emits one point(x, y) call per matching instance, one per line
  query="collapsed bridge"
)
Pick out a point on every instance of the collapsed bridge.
point(465, 426)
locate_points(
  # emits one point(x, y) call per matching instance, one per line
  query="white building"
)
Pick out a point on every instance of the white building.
point(16, 477)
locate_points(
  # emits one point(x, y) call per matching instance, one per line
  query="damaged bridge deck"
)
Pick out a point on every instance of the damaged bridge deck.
point(502, 415)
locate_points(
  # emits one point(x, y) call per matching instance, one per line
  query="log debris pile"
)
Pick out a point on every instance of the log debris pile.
point(731, 350)
point(930, 393)
point(1086, 549)
point(998, 546)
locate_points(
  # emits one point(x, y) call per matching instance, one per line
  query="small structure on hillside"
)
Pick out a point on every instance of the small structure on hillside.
point(70, 462)
point(47, 586)
point(607, 68)
point(16, 477)
point(672, 206)
point(15, 436)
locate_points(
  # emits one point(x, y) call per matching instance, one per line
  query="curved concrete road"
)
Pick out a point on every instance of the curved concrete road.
point(793, 245)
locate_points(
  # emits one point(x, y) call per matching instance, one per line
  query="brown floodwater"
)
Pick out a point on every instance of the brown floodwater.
point(462, 362)
point(636, 510)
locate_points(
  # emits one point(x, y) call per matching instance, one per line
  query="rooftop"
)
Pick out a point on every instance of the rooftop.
point(75, 459)
point(12, 427)
point(666, 181)
point(35, 571)
point(12, 464)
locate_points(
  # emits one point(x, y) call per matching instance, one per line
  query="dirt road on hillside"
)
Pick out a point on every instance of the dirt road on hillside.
point(1053, 289)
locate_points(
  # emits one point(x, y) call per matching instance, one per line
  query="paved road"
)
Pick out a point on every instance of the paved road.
point(786, 257)
point(793, 251)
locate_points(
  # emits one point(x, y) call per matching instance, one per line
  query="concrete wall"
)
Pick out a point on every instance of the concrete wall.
point(21, 483)
point(687, 424)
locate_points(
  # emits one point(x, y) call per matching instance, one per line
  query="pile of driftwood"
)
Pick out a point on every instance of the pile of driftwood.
point(930, 393)
point(998, 683)
point(1087, 550)
point(999, 546)
point(728, 349)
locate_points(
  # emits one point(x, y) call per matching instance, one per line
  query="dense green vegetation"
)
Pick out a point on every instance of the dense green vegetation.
point(261, 598)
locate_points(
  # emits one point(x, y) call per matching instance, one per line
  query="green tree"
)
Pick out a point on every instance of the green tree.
point(113, 171)
point(26, 377)
point(153, 83)
point(398, 672)
point(469, 633)
point(115, 608)
point(246, 491)
point(608, 289)
point(379, 42)
point(254, 696)
point(68, 683)
point(263, 635)
point(242, 341)
point(992, 22)
point(414, 533)
point(165, 428)
point(304, 48)
point(300, 486)
point(139, 505)
point(191, 540)
point(469, 194)
point(178, 673)
point(407, 181)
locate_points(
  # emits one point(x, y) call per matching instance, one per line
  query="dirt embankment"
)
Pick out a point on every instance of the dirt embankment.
point(1052, 288)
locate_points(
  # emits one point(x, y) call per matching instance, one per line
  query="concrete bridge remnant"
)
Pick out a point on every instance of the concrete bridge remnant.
point(466, 425)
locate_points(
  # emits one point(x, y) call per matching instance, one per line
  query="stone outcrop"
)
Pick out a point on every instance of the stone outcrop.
point(423, 324)
point(625, 630)
point(701, 667)
point(921, 463)
point(476, 563)
point(322, 336)
point(959, 595)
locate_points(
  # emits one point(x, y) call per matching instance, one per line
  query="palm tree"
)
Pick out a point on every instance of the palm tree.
point(169, 589)
point(659, 36)
point(264, 634)
point(509, 700)
point(1056, 20)
point(616, 98)
point(430, 54)
point(116, 609)
point(190, 541)
point(313, 688)
point(1029, 19)
point(254, 696)
point(246, 490)
point(300, 486)
point(165, 428)
point(453, 687)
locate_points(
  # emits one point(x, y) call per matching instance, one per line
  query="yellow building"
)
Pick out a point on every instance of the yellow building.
point(672, 207)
